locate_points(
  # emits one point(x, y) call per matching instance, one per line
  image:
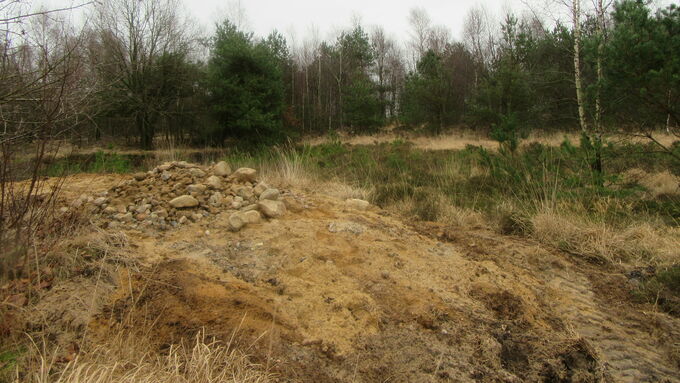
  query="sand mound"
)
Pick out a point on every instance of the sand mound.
point(337, 291)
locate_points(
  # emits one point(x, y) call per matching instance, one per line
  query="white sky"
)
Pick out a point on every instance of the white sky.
point(299, 18)
point(328, 16)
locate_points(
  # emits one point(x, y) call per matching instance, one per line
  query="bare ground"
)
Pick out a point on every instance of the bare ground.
point(333, 294)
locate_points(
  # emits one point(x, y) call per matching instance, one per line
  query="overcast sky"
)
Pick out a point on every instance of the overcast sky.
point(299, 18)
point(328, 16)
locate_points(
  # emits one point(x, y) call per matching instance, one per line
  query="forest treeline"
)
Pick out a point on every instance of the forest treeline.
point(138, 72)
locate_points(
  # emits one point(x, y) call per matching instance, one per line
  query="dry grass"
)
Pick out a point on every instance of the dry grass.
point(657, 184)
point(640, 244)
point(130, 358)
point(289, 168)
point(458, 140)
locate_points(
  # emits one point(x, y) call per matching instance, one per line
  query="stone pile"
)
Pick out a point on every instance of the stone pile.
point(176, 193)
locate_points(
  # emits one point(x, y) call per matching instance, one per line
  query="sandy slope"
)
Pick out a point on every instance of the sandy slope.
point(332, 294)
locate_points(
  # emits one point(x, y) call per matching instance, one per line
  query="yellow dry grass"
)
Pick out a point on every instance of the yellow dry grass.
point(458, 140)
point(639, 244)
point(130, 358)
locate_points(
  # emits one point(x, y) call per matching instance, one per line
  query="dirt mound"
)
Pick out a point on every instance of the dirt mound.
point(336, 291)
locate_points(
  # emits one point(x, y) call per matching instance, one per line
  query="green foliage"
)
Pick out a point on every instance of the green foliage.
point(245, 82)
point(8, 364)
point(508, 132)
point(427, 96)
point(100, 162)
point(663, 289)
point(643, 64)
point(362, 108)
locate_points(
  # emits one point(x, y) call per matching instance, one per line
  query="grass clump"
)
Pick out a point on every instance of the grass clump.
point(662, 289)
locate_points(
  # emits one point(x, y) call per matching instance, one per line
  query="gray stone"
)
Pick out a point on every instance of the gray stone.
point(260, 188)
point(249, 207)
point(272, 209)
point(221, 169)
point(183, 202)
point(272, 194)
point(196, 172)
point(214, 182)
point(245, 192)
point(236, 222)
point(166, 176)
point(216, 199)
point(252, 216)
point(197, 188)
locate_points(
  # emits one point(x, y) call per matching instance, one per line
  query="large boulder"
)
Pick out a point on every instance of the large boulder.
point(184, 201)
point(222, 169)
point(245, 175)
point(272, 209)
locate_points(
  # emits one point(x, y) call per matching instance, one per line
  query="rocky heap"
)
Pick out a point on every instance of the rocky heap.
point(175, 193)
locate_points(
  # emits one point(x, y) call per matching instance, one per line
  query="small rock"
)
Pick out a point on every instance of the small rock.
point(166, 176)
point(183, 202)
point(196, 172)
point(127, 217)
point(236, 204)
point(293, 205)
point(109, 210)
point(164, 167)
point(197, 188)
point(182, 220)
point(251, 216)
point(214, 182)
point(236, 222)
point(222, 169)
point(357, 204)
point(261, 187)
point(245, 192)
point(99, 201)
point(272, 194)
point(245, 175)
point(142, 208)
point(216, 199)
point(272, 209)
point(141, 217)
point(63, 210)
point(140, 176)
point(196, 217)
point(249, 207)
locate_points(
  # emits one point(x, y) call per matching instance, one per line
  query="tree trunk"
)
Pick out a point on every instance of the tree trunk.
point(576, 18)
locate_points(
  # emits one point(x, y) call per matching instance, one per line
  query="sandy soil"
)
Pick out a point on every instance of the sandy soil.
point(331, 294)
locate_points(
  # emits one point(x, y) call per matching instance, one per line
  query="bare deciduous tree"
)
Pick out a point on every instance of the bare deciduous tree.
point(135, 34)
